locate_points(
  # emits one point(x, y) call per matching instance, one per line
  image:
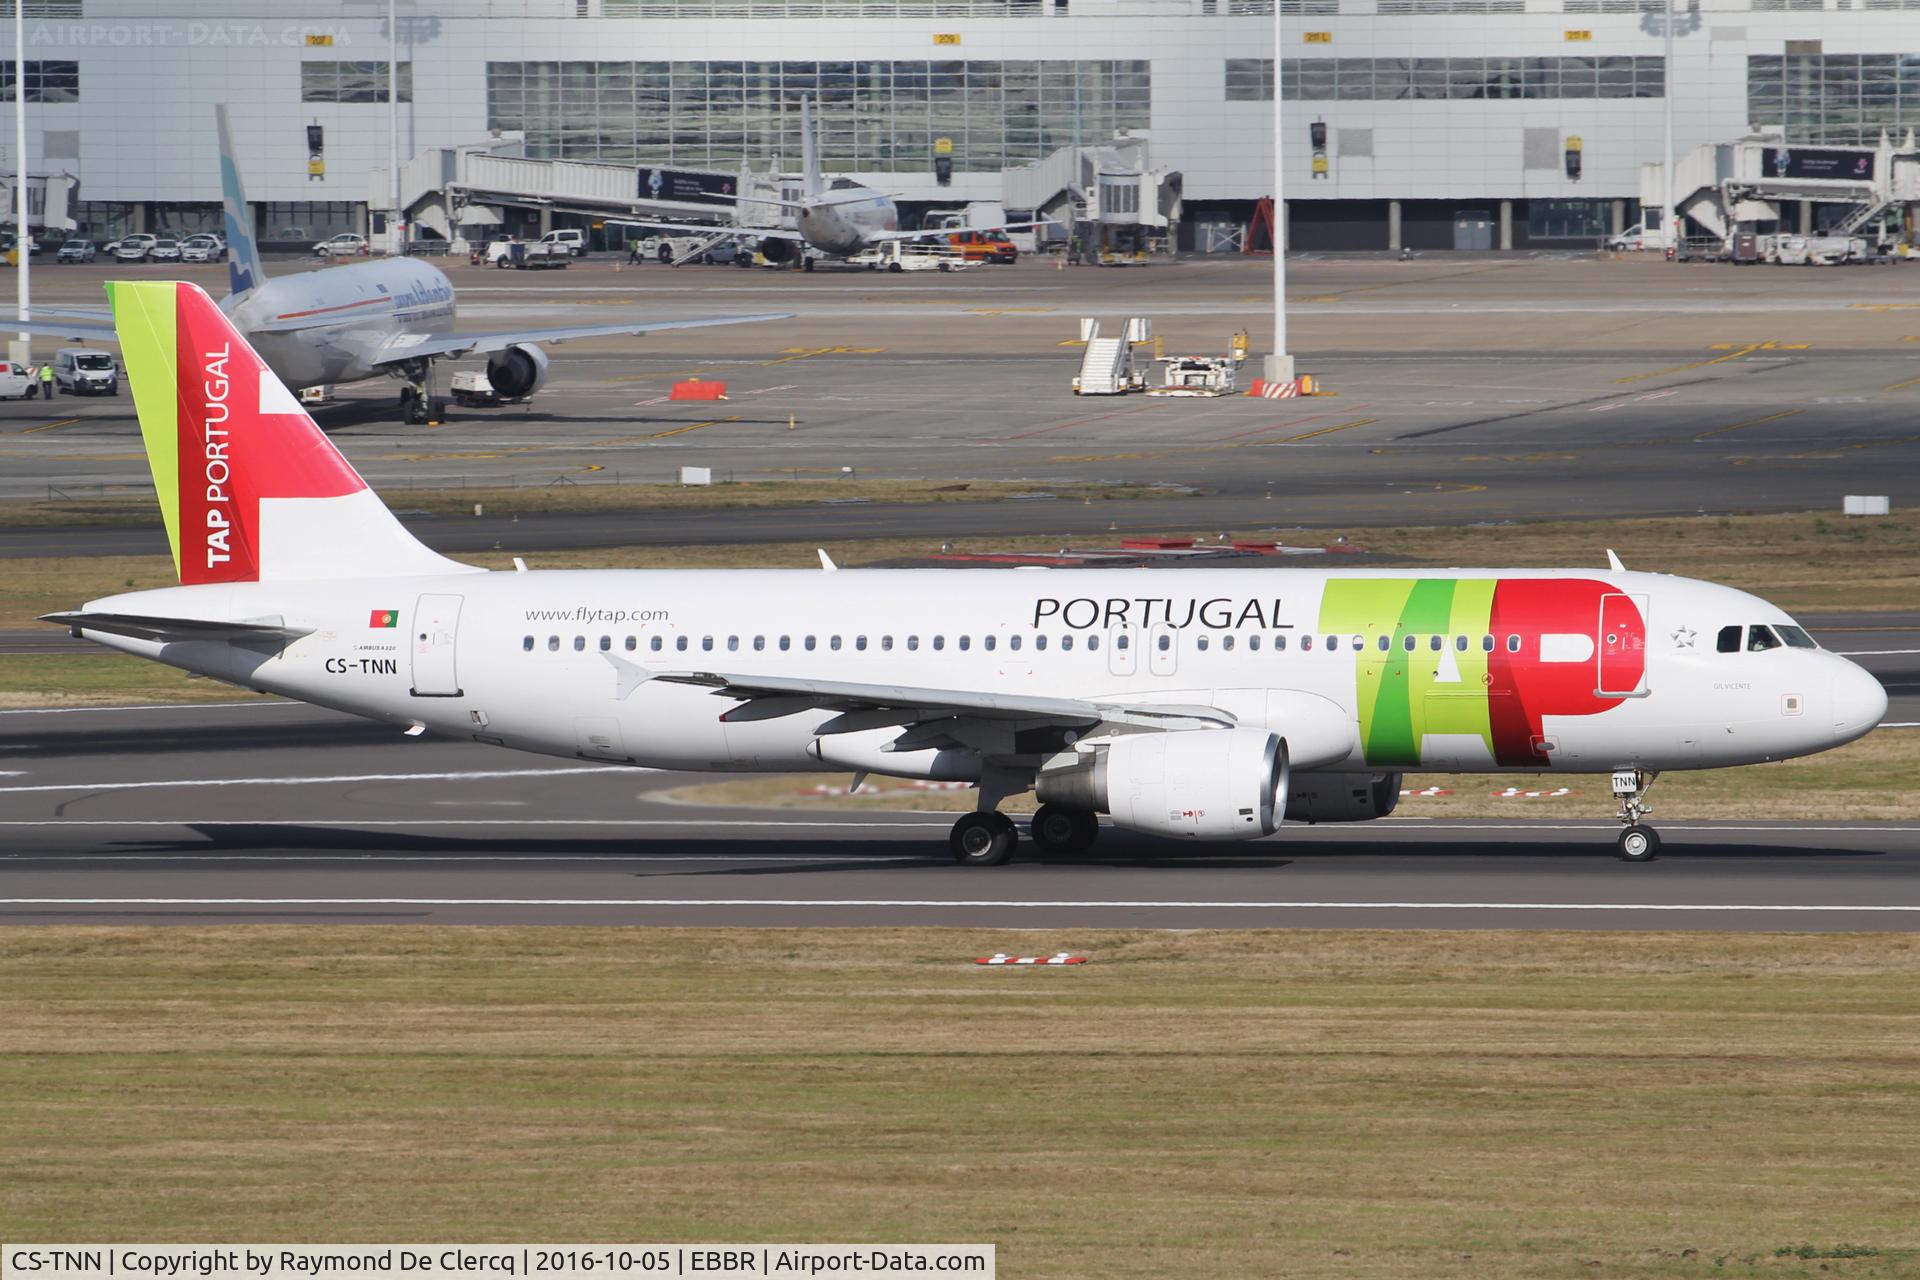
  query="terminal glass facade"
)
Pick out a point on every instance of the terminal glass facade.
point(352, 81)
point(1386, 79)
point(870, 116)
point(46, 81)
point(1845, 98)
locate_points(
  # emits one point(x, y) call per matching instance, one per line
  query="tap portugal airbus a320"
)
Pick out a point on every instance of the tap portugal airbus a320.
point(1201, 705)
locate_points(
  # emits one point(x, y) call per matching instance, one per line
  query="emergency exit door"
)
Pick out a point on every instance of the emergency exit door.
point(436, 630)
point(1622, 645)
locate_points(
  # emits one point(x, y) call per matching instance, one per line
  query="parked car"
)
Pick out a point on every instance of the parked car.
point(82, 371)
point(134, 248)
point(163, 251)
point(203, 247)
point(17, 381)
point(572, 240)
point(76, 251)
point(347, 244)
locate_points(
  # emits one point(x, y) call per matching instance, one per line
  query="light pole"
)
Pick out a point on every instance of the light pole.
point(1671, 220)
point(395, 245)
point(1279, 365)
point(23, 347)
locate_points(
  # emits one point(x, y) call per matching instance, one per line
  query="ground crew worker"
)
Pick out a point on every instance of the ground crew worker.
point(46, 381)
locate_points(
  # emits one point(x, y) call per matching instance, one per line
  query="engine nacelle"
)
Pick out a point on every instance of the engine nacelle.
point(776, 250)
point(1342, 797)
point(517, 372)
point(1197, 784)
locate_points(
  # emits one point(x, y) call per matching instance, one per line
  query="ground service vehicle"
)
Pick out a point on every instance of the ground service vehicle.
point(983, 246)
point(79, 371)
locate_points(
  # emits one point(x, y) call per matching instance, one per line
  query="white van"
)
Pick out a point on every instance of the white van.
point(15, 380)
point(573, 240)
point(82, 371)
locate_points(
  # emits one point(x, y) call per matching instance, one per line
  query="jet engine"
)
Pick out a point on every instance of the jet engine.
point(1342, 797)
point(1199, 784)
point(517, 372)
point(776, 250)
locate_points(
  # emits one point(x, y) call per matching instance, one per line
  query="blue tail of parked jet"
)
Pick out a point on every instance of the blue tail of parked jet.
point(244, 272)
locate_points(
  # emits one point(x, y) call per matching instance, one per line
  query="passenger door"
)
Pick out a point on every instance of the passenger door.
point(436, 629)
point(1622, 645)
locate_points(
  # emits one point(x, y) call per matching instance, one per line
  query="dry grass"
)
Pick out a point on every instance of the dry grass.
point(1866, 781)
point(1307, 1104)
point(100, 679)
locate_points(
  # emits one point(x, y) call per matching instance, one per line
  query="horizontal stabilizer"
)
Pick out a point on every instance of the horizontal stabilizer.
point(176, 630)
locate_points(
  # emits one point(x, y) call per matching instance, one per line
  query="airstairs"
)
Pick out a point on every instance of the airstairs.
point(1106, 366)
point(1726, 187)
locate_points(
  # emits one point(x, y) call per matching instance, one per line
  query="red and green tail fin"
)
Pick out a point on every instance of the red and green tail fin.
point(250, 488)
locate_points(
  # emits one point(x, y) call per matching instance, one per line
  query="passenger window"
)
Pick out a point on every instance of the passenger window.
point(1796, 637)
point(1729, 640)
point(1460, 644)
point(1226, 643)
point(1409, 643)
point(1013, 642)
point(1279, 644)
point(1359, 642)
point(1164, 643)
point(886, 644)
point(733, 644)
point(1434, 643)
point(553, 644)
point(1760, 639)
point(1486, 644)
point(1513, 644)
point(939, 643)
point(1333, 642)
point(989, 642)
point(526, 646)
point(657, 643)
point(834, 644)
point(579, 644)
point(633, 642)
point(1253, 643)
point(913, 643)
point(1093, 642)
point(759, 643)
point(809, 644)
point(1200, 643)
point(786, 643)
point(680, 643)
point(1122, 642)
point(1385, 643)
point(1066, 642)
point(860, 644)
point(606, 644)
point(1040, 642)
point(966, 643)
point(1306, 644)
point(706, 644)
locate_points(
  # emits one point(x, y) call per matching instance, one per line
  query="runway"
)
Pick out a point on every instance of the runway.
point(274, 812)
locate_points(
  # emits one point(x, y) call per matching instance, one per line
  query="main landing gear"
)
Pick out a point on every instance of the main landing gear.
point(987, 838)
point(418, 404)
point(1639, 842)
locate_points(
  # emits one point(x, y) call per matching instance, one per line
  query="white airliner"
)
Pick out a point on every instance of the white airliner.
point(837, 218)
point(1200, 704)
point(385, 317)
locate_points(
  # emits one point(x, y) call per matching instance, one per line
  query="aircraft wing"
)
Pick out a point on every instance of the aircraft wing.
point(171, 630)
point(783, 695)
point(407, 346)
point(85, 328)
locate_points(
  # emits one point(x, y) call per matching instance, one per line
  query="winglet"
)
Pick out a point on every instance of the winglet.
point(826, 561)
point(1613, 562)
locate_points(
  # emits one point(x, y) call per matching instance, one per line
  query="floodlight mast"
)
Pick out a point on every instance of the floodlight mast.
point(1279, 365)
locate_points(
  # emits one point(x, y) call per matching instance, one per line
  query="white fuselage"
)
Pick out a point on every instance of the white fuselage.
point(561, 662)
point(327, 325)
point(841, 223)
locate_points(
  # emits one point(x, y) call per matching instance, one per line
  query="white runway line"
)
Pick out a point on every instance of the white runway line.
point(995, 903)
point(316, 781)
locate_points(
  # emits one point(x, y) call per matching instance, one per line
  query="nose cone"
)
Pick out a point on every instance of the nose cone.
point(1859, 702)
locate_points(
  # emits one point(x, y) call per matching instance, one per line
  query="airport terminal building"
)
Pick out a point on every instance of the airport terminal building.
point(1426, 123)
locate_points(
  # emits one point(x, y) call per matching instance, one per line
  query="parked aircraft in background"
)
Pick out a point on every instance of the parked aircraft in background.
point(837, 218)
point(1203, 704)
point(375, 318)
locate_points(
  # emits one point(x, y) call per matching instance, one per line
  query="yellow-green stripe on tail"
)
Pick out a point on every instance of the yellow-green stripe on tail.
point(145, 315)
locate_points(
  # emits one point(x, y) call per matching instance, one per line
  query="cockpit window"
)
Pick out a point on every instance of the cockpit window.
point(1729, 639)
point(1796, 637)
point(1760, 639)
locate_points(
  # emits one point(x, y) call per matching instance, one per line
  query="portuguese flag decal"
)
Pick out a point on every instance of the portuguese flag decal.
point(384, 618)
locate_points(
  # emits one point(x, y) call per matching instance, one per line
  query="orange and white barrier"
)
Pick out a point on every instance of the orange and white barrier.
point(694, 389)
point(1001, 957)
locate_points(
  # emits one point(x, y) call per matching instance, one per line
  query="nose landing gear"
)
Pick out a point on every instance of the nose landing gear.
point(1639, 842)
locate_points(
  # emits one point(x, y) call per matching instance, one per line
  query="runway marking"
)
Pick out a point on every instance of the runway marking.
point(695, 426)
point(1094, 904)
point(67, 422)
point(1338, 426)
point(314, 781)
point(1901, 386)
point(1751, 422)
point(156, 706)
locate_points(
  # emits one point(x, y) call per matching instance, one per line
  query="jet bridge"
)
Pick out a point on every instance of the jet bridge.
point(1727, 187)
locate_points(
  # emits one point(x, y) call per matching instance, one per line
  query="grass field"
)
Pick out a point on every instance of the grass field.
point(1236, 1104)
point(101, 679)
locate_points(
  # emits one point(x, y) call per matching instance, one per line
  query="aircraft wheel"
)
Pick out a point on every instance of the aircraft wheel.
point(982, 839)
point(1063, 831)
point(1639, 844)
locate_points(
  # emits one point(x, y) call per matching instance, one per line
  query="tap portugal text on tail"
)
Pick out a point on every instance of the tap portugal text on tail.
point(1203, 705)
